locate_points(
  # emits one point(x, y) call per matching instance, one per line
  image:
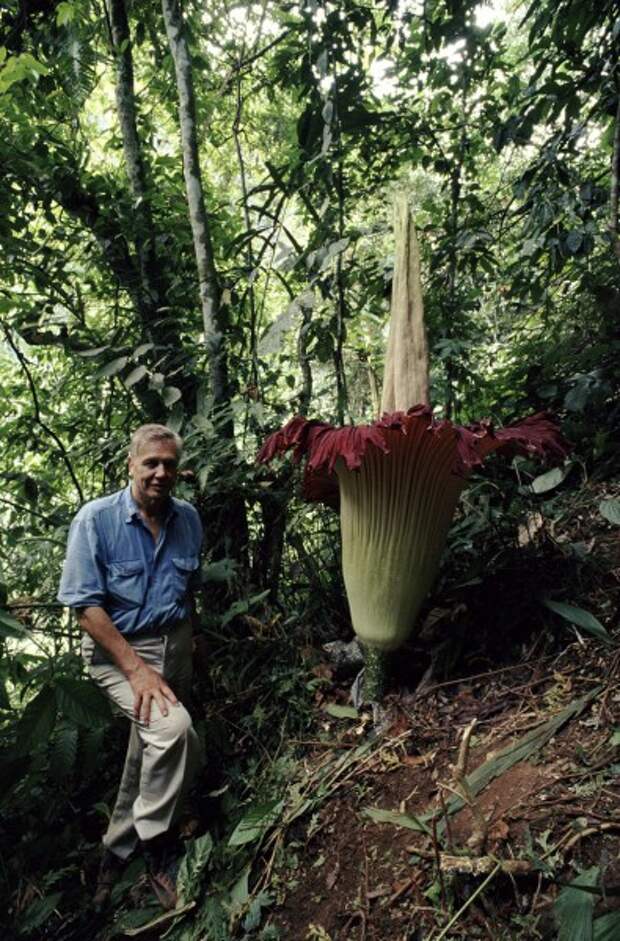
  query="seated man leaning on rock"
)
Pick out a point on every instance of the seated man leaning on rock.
point(130, 573)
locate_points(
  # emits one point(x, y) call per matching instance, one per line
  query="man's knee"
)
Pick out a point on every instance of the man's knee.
point(176, 725)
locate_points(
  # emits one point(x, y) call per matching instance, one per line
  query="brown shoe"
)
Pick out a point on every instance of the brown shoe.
point(162, 863)
point(110, 868)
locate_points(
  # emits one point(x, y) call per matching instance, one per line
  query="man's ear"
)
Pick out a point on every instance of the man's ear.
point(129, 465)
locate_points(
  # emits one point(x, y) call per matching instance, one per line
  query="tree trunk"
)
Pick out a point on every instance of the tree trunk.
point(132, 149)
point(227, 523)
point(209, 288)
point(615, 184)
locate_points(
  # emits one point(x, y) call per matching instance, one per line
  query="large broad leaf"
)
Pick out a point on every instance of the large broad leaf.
point(399, 820)
point(112, 368)
point(573, 908)
point(579, 617)
point(610, 509)
point(550, 479)
point(35, 726)
point(255, 823)
point(64, 752)
point(135, 376)
point(170, 395)
point(81, 702)
point(341, 712)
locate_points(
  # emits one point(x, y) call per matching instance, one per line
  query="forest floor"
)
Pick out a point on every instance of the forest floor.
point(388, 854)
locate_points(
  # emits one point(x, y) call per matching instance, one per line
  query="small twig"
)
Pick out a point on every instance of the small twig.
point(481, 826)
point(460, 769)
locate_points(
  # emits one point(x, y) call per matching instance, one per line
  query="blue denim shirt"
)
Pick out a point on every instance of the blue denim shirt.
point(114, 563)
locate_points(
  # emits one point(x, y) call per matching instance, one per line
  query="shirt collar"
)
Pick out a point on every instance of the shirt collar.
point(130, 506)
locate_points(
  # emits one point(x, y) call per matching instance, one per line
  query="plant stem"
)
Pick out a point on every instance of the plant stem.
point(375, 673)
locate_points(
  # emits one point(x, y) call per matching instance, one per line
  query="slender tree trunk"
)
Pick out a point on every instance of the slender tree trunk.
point(227, 522)
point(455, 194)
point(614, 194)
point(209, 287)
point(132, 149)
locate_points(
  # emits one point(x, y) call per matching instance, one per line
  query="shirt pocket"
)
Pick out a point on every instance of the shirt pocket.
point(184, 570)
point(125, 582)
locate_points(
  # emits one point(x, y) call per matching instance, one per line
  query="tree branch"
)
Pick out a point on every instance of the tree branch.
point(37, 411)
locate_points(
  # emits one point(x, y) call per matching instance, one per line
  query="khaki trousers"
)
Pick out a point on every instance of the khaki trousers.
point(163, 757)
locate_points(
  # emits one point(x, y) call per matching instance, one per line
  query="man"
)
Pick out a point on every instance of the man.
point(130, 572)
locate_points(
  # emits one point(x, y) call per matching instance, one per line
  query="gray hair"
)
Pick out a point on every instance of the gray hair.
point(146, 433)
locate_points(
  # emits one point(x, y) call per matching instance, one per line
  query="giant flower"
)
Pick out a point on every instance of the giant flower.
point(399, 480)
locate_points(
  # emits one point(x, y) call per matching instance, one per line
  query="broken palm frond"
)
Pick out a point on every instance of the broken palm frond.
point(159, 920)
point(518, 751)
point(574, 908)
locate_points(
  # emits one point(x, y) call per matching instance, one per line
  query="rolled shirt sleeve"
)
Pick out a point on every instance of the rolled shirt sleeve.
point(83, 584)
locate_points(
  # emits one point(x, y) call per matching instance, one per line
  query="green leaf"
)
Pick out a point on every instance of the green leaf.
point(579, 617)
point(81, 702)
point(574, 240)
point(615, 736)
point(135, 376)
point(255, 823)
point(10, 627)
point(341, 712)
point(573, 908)
point(550, 480)
point(64, 752)
point(65, 13)
point(610, 509)
point(398, 820)
point(142, 349)
point(221, 571)
point(38, 913)
point(113, 367)
point(170, 395)
point(255, 912)
point(96, 351)
point(607, 927)
point(35, 726)
point(240, 892)
point(192, 866)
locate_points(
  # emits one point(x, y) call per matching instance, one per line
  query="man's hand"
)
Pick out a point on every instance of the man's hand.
point(148, 685)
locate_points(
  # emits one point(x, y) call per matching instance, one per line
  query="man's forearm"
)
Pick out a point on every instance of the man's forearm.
point(98, 624)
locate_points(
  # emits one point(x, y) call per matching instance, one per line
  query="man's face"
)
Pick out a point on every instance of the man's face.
point(153, 471)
